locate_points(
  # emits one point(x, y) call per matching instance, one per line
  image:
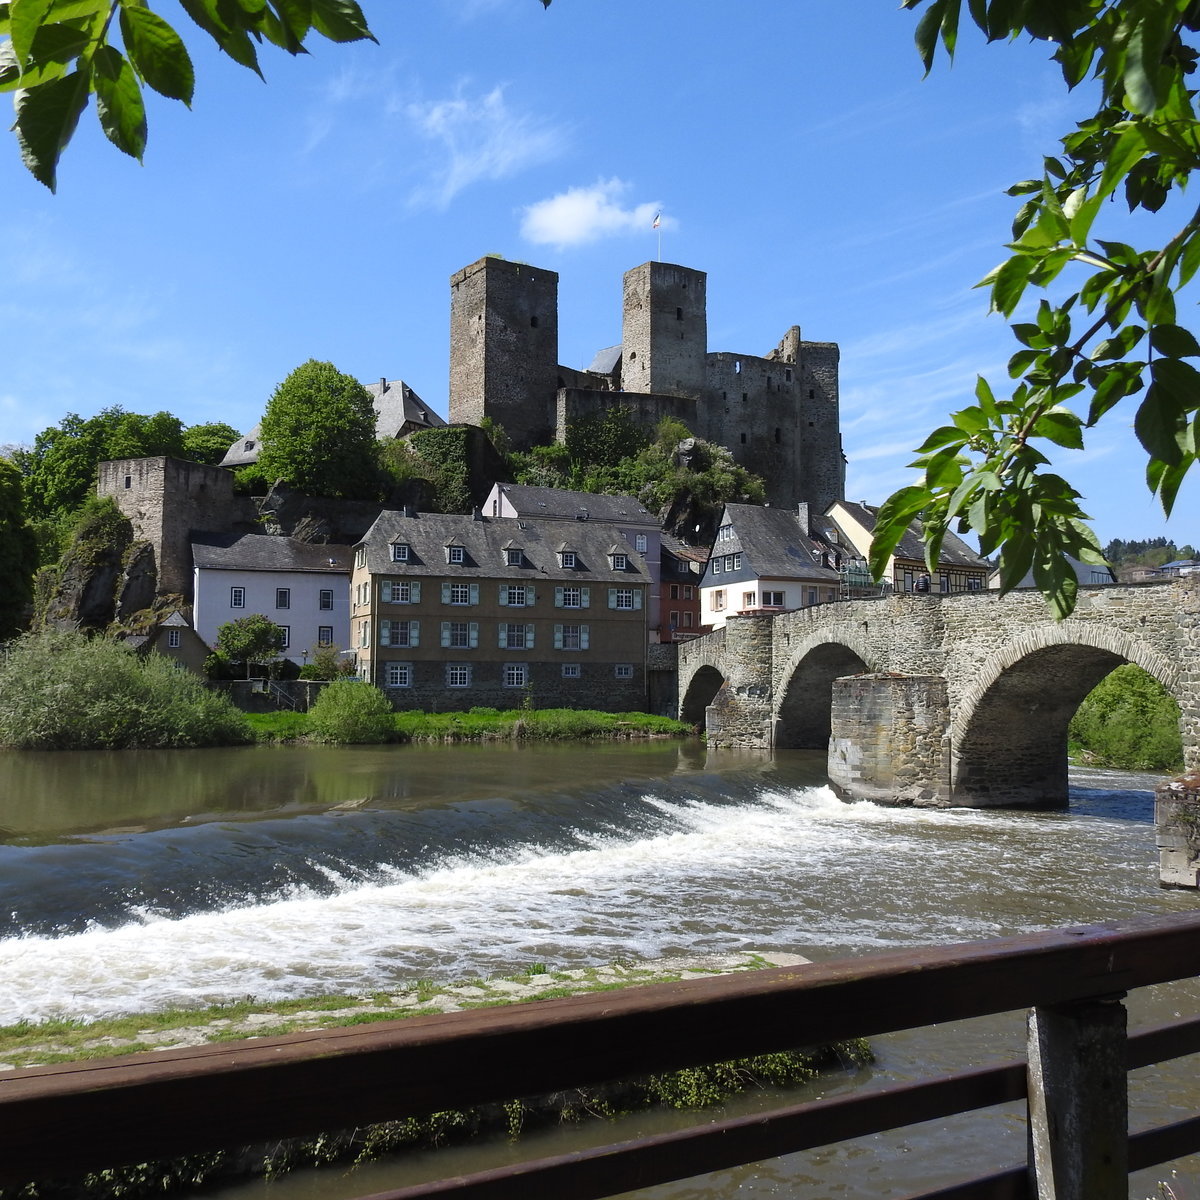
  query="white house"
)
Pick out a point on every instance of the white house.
point(302, 586)
point(763, 559)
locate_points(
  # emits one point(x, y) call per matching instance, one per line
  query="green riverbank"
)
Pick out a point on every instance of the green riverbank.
point(27, 1045)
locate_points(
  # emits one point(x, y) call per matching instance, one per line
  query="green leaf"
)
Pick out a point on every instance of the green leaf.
point(946, 435)
point(1164, 479)
point(1016, 558)
point(987, 402)
point(1129, 147)
point(46, 118)
point(340, 21)
point(927, 33)
point(944, 469)
point(1174, 341)
point(1157, 424)
point(230, 35)
point(892, 522)
point(1009, 283)
point(158, 53)
point(1062, 427)
point(1055, 578)
point(296, 15)
point(119, 101)
point(26, 17)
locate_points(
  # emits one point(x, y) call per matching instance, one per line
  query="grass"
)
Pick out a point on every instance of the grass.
point(488, 725)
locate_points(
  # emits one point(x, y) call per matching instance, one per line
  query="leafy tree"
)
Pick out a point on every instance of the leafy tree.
point(60, 468)
point(1116, 335)
point(209, 443)
point(318, 434)
point(1129, 720)
point(18, 553)
point(251, 639)
point(60, 52)
point(326, 661)
point(351, 710)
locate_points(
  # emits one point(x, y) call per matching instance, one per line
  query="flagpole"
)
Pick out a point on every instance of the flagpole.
point(657, 227)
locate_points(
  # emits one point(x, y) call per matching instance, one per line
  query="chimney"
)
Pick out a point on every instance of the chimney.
point(802, 514)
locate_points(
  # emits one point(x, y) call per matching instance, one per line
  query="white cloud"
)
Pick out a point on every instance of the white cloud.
point(586, 214)
point(478, 137)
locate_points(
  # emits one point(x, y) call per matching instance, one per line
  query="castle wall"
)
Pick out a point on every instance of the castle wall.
point(647, 410)
point(664, 330)
point(504, 347)
point(820, 464)
point(166, 499)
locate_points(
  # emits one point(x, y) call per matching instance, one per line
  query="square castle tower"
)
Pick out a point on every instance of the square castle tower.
point(777, 414)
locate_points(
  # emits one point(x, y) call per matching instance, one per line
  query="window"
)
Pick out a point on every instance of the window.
point(639, 543)
point(399, 633)
point(974, 584)
point(567, 558)
point(364, 633)
point(748, 600)
point(249, 446)
point(460, 635)
point(944, 582)
point(515, 595)
point(733, 562)
point(620, 562)
point(571, 637)
point(674, 620)
point(237, 597)
point(401, 591)
point(458, 674)
point(128, 482)
point(812, 595)
point(725, 533)
point(515, 637)
point(687, 591)
point(687, 620)
point(286, 630)
point(174, 638)
point(743, 439)
point(674, 591)
point(772, 599)
point(624, 598)
point(515, 674)
point(513, 558)
point(716, 565)
point(324, 635)
point(787, 374)
point(283, 597)
point(325, 600)
point(718, 599)
point(399, 674)
point(360, 556)
point(456, 554)
point(399, 552)
point(460, 593)
point(572, 597)
point(623, 671)
point(570, 670)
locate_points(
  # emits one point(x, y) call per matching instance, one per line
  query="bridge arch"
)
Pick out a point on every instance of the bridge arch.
point(801, 717)
point(701, 689)
point(1008, 735)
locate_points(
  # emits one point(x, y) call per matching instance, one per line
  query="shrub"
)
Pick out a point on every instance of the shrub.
point(349, 710)
point(1129, 720)
point(62, 691)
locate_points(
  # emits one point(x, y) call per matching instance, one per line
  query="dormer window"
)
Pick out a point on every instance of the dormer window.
point(514, 556)
point(620, 562)
point(249, 446)
point(455, 555)
point(566, 558)
point(399, 552)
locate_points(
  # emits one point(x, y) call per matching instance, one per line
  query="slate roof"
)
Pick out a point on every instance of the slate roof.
point(772, 545)
point(484, 541)
point(605, 362)
point(955, 552)
point(681, 549)
point(262, 552)
point(237, 455)
point(397, 405)
point(563, 505)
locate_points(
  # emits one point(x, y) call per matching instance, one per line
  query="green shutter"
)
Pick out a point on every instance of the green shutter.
point(585, 597)
point(558, 595)
point(583, 637)
point(474, 593)
point(502, 629)
point(445, 633)
point(504, 593)
point(385, 632)
point(558, 638)
point(414, 633)
point(612, 597)
point(473, 634)
point(414, 593)
point(637, 598)
point(528, 637)
point(445, 593)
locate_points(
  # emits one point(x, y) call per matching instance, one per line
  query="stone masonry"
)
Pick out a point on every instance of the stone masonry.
point(1013, 677)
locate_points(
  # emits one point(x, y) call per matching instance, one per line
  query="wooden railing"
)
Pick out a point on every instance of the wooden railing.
point(63, 1119)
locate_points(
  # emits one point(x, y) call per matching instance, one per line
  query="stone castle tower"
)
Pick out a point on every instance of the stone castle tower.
point(777, 414)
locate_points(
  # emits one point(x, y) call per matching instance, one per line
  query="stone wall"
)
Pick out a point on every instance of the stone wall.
point(664, 331)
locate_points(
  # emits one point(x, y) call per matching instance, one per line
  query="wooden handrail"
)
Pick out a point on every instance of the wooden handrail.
point(79, 1116)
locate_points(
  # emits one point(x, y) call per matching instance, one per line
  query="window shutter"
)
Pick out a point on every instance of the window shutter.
point(612, 597)
point(385, 632)
point(504, 593)
point(583, 637)
point(414, 633)
point(503, 631)
point(558, 637)
point(528, 637)
point(386, 597)
point(445, 633)
point(473, 634)
point(637, 597)
point(414, 593)
point(445, 593)
point(585, 597)
point(558, 594)
point(474, 593)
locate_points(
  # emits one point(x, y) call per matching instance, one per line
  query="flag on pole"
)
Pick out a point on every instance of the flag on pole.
point(657, 220)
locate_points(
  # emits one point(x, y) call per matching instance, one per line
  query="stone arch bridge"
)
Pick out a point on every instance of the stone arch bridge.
point(938, 700)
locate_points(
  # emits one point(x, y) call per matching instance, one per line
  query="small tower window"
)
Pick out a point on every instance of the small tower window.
point(533, 323)
point(812, 395)
point(128, 482)
point(787, 374)
point(778, 435)
point(679, 314)
point(743, 439)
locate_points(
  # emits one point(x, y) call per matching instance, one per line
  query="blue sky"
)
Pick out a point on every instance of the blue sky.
point(792, 147)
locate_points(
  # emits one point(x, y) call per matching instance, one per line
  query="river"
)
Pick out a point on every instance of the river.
point(140, 880)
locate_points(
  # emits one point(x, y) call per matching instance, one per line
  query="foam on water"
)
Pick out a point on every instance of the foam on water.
point(787, 868)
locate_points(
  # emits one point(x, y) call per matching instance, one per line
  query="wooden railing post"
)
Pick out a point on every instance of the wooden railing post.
point(1078, 1102)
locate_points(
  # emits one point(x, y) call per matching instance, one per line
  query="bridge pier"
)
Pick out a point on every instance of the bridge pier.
point(889, 740)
